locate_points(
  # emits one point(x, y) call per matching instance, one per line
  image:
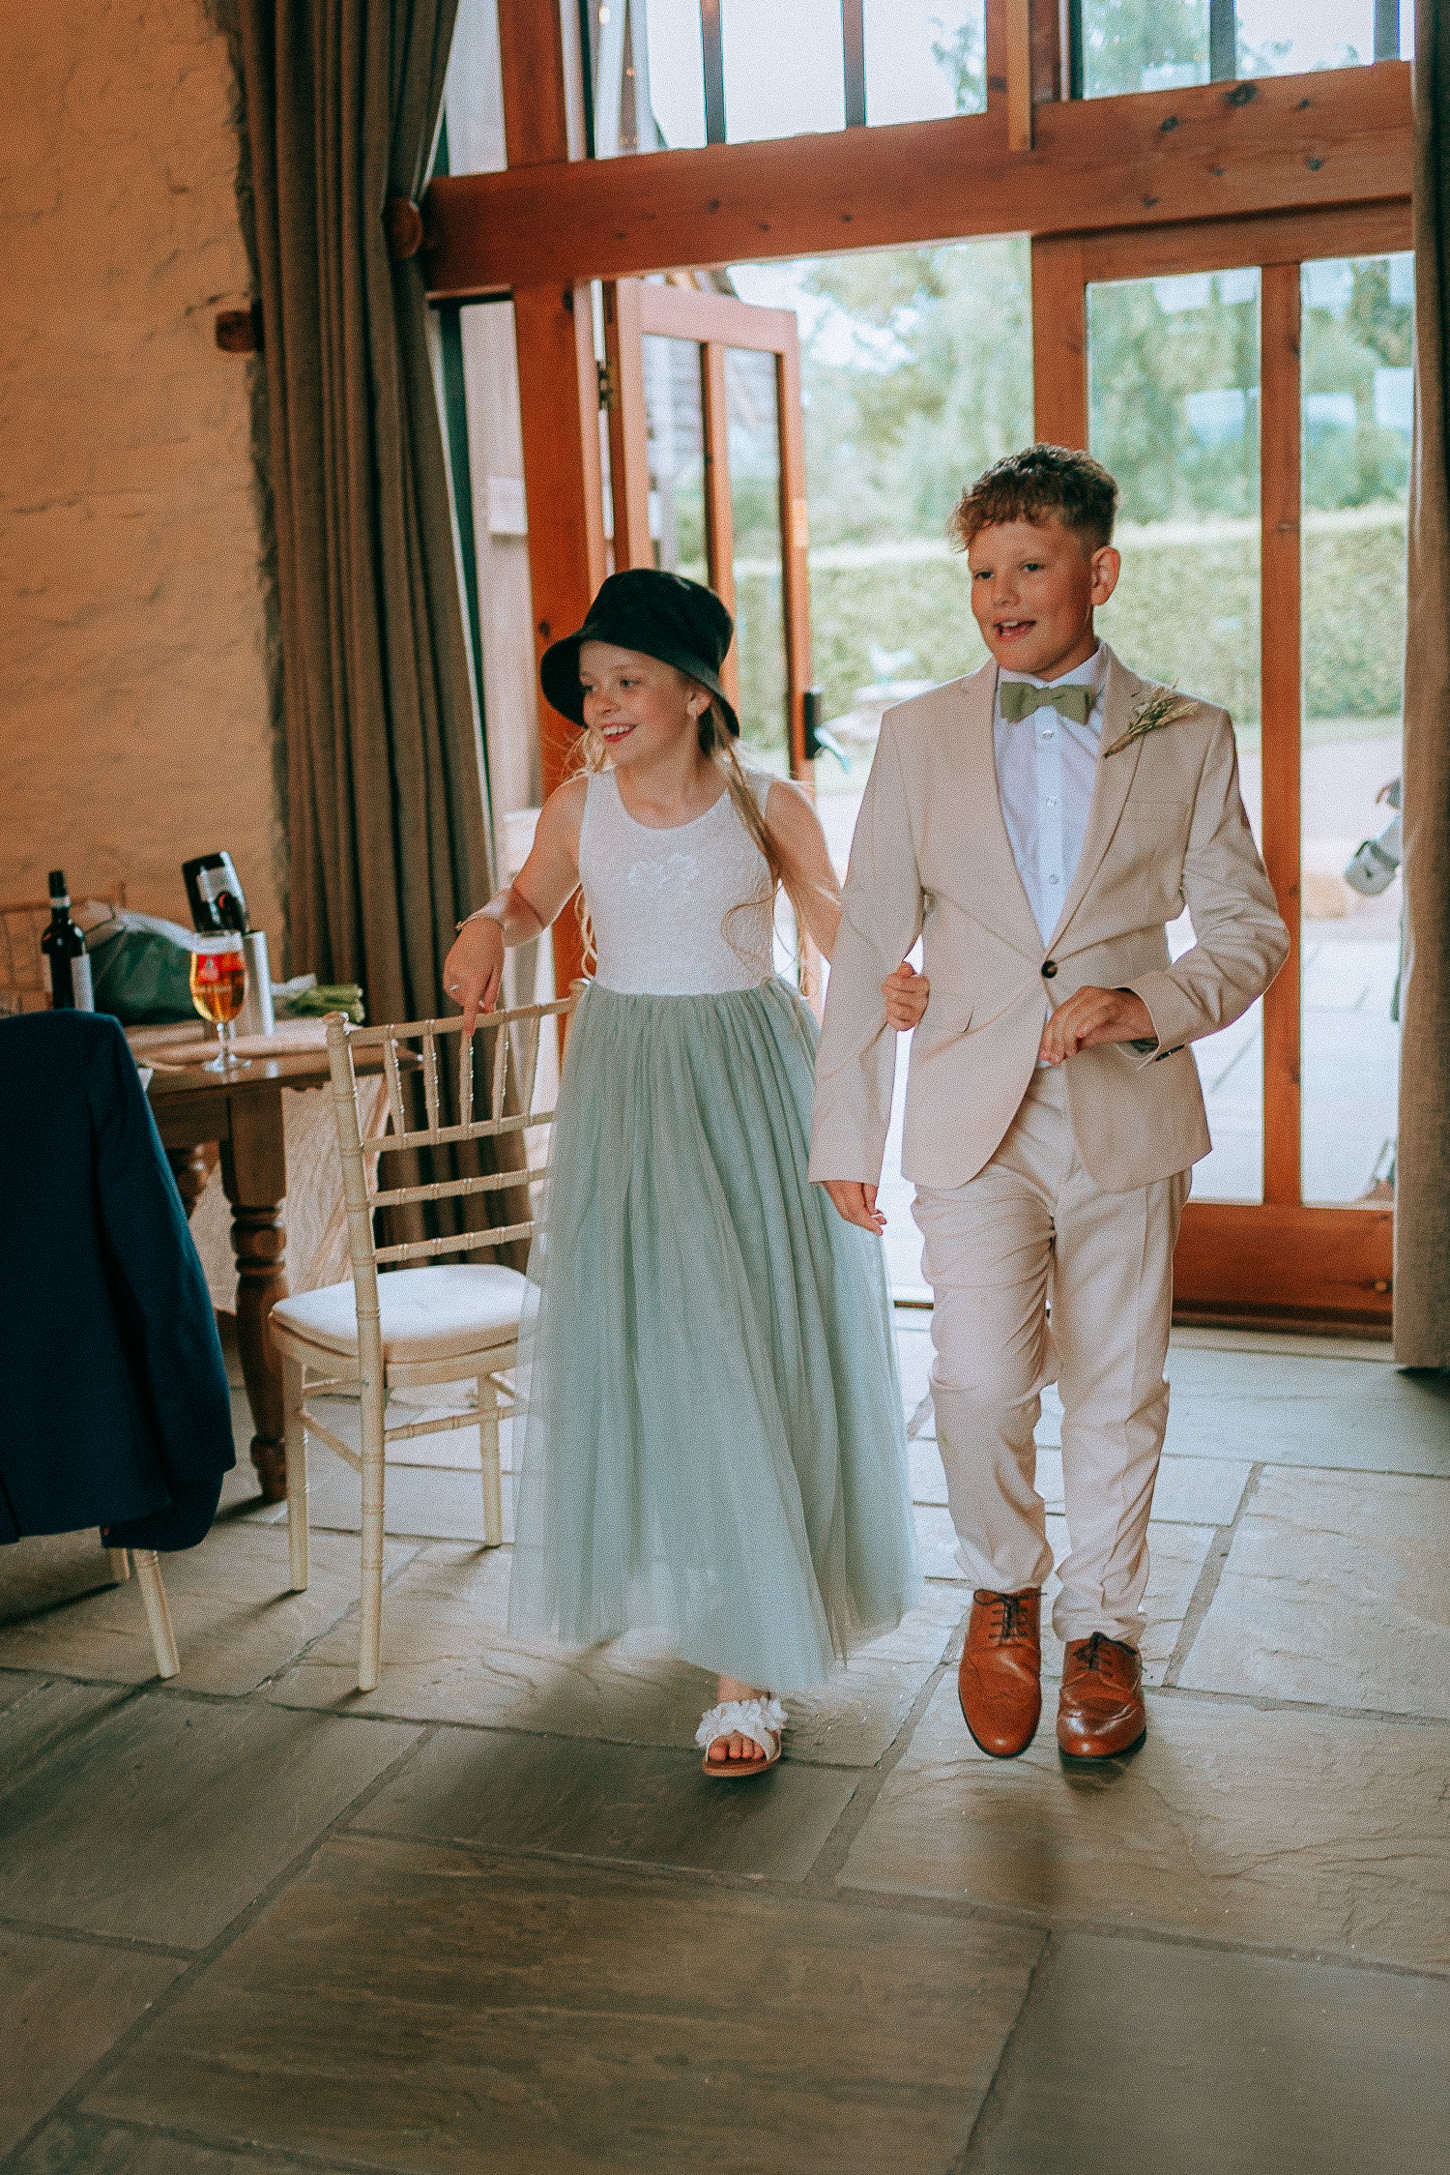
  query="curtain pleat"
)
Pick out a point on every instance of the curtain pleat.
point(388, 844)
point(1422, 1205)
point(387, 839)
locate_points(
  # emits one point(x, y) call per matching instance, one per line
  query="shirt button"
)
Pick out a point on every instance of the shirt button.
point(1052, 879)
point(1047, 732)
point(1052, 800)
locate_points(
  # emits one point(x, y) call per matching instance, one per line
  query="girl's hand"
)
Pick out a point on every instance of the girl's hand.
point(473, 970)
point(906, 993)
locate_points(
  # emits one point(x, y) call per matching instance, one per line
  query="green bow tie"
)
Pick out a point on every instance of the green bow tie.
point(1019, 698)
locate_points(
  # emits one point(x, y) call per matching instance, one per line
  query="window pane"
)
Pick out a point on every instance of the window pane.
point(784, 68)
point(675, 422)
point(754, 447)
point(1358, 413)
point(1174, 389)
point(1290, 37)
point(676, 90)
point(1143, 45)
point(924, 59)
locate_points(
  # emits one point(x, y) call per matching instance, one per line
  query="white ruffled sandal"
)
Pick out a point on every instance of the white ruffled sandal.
point(761, 1720)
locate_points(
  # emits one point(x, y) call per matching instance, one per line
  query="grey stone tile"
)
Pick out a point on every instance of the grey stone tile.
point(537, 2019)
point(589, 1800)
point(1336, 1590)
point(1344, 1414)
point(1176, 1555)
point(442, 1503)
point(1279, 1829)
point(236, 1619)
point(48, 1569)
point(62, 2005)
point(928, 1481)
point(1145, 2058)
point(37, 1712)
point(70, 2146)
point(913, 1358)
point(448, 1657)
point(1190, 1491)
point(171, 1814)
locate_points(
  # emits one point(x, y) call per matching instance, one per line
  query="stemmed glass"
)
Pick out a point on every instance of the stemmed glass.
point(219, 989)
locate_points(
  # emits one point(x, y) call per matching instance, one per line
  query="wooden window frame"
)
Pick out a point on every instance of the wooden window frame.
point(1179, 180)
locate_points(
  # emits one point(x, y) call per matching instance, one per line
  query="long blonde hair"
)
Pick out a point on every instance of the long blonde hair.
point(717, 745)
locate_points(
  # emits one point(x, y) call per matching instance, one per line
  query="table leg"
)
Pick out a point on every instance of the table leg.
point(254, 1174)
point(190, 1170)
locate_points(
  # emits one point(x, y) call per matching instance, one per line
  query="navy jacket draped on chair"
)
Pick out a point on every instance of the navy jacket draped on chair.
point(114, 1407)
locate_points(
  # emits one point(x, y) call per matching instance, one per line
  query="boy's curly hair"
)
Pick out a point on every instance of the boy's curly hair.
point(1038, 481)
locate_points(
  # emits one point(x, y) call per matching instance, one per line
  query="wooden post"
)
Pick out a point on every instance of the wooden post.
point(559, 406)
point(558, 397)
point(1279, 575)
point(719, 509)
point(1059, 342)
point(535, 93)
point(1017, 41)
point(795, 539)
point(628, 425)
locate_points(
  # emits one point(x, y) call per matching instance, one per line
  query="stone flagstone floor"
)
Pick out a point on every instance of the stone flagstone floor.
point(491, 1919)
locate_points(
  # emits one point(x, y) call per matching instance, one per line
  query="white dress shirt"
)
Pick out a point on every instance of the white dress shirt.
point(1047, 765)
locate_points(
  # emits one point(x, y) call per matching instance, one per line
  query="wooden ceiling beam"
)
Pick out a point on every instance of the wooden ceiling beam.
point(1158, 157)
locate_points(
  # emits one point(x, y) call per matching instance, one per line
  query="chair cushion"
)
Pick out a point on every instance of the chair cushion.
point(427, 1314)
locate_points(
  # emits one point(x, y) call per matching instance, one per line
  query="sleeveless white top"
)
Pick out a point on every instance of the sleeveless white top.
point(659, 900)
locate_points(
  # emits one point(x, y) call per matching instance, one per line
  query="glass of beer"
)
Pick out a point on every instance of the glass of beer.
point(219, 989)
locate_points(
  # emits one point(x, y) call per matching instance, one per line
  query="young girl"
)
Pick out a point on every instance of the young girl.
point(714, 1443)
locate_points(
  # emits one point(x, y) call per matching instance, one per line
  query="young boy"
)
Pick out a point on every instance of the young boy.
point(1039, 823)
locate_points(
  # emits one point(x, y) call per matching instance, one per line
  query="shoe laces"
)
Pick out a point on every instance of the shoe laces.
point(1094, 1656)
point(1011, 1617)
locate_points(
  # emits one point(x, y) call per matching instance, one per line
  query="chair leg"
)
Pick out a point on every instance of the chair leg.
point(120, 1562)
point(370, 1628)
point(158, 1615)
point(488, 1457)
point(295, 1439)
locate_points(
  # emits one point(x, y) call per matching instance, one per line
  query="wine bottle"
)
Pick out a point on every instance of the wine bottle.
point(63, 949)
point(215, 894)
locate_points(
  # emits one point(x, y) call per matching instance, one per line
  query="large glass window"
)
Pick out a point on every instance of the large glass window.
point(1163, 45)
point(1174, 413)
point(1358, 415)
point(675, 74)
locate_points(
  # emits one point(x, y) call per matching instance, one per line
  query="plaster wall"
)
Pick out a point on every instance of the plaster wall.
point(135, 706)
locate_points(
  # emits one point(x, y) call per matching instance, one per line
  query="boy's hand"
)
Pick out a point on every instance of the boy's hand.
point(906, 993)
point(1095, 1015)
point(856, 1202)
point(473, 970)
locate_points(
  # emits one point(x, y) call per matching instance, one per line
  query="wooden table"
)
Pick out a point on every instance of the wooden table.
point(242, 1112)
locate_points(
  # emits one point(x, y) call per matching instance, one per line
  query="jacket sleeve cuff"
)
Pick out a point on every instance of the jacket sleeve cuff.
point(1172, 1016)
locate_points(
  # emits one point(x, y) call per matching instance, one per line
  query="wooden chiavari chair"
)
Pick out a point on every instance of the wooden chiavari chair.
point(415, 1325)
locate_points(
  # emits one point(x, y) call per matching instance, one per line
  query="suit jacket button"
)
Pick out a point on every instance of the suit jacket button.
point(1049, 968)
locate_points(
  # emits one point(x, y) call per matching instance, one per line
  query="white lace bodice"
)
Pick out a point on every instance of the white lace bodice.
point(659, 899)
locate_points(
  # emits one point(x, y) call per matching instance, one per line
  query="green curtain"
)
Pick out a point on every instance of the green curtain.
point(385, 802)
point(1422, 1220)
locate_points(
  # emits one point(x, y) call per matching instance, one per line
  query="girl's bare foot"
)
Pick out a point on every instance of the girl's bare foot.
point(735, 1748)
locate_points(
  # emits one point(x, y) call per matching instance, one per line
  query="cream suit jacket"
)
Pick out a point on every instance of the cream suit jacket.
point(931, 857)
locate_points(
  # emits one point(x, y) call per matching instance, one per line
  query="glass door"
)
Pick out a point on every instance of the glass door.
point(1253, 394)
point(707, 478)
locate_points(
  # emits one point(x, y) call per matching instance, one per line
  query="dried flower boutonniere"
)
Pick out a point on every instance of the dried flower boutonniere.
point(1165, 706)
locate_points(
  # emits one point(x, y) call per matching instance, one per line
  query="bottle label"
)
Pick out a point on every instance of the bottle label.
point(82, 995)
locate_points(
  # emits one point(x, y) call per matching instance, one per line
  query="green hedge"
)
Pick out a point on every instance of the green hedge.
point(1186, 610)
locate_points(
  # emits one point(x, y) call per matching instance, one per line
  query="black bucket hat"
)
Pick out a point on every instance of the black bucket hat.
point(661, 615)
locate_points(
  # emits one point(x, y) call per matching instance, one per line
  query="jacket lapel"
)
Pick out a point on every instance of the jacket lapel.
point(1111, 786)
point(993, 876)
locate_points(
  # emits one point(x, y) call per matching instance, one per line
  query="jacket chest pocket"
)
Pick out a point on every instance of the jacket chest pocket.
point(1153, 825)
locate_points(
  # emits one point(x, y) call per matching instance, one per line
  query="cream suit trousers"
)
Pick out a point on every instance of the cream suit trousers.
point(1032, 1229)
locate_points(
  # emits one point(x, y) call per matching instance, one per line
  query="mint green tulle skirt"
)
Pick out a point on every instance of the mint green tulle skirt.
point(714, 1446)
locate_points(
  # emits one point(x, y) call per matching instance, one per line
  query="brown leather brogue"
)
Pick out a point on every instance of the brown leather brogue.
point(999, 1680)
point(1100, 1709)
